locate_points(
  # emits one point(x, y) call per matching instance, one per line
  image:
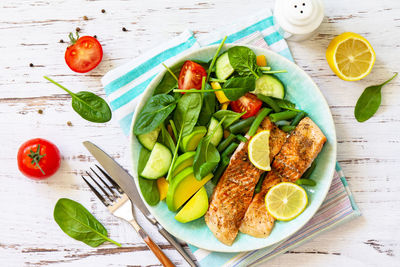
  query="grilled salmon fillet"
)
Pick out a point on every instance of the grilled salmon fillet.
point(299, 151)
point(257, 222)
point(235, 189)
point(295, 157)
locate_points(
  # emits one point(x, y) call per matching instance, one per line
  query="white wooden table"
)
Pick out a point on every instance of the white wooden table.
point(30, 32)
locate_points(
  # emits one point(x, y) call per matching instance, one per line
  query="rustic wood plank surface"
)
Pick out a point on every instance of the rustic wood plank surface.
point(31, 31)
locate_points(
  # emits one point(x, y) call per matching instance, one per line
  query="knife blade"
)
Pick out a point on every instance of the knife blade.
point(127, 184)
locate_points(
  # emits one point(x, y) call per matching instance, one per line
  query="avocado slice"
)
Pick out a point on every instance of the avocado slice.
point(182, 187)
point(195, 208)
point(190, 141)
point(182, 162)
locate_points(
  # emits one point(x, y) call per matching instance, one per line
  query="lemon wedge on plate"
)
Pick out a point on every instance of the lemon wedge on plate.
point(350, 56)
point(285, 201)
point(259, 150)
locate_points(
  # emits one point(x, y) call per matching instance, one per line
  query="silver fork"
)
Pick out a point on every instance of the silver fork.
point(118, 203)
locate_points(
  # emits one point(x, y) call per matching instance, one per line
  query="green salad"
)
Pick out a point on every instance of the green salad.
point(196, 118)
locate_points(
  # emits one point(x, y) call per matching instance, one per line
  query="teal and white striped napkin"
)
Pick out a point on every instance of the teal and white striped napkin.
point(124, 86)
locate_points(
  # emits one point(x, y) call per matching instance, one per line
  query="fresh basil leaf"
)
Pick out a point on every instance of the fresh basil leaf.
point(243, 60)
point(208, 108)
point(230, 117)
point(156, 110)
point(187, 112)
point(148, 187)
point(243, 85)
point(166, 139)
point(206, 158)
point(369, 101)
point(88, 105)
point(77, 222)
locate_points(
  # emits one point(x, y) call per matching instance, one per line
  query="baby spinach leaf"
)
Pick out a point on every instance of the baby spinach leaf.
point(187, 112)
point(77, 222)
point(206, 159)
point(243, 60)
point(369, 101)
point(148, 187)
point(154, 113)
point(168, 82)
point(230, 117)
point(166, 139)
point(243, 85)
point(88, 105)
point(208, 108)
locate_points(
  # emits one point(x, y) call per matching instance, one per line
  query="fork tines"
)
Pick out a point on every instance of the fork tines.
point(107, 192)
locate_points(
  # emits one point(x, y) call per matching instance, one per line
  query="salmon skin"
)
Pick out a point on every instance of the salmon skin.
point(235, 189)
point(299, 151)
point(295, 157)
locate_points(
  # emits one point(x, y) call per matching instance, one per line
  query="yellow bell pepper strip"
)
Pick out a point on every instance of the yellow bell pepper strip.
point(162, 185)
point(224, 106)
point(261, 61)
point(220, 94)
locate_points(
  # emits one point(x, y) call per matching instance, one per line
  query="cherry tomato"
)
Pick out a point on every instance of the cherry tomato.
point(191, 76)
point(249, 103)
point(84, 54)
point(38, 158)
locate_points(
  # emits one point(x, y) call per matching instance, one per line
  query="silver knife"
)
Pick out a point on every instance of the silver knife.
point(127, 183)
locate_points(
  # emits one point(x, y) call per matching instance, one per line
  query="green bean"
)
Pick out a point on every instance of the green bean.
point(256, 123)
point(226, 157)
point(298, 118)
point(260, 182)
point(309, 171)
point(284, 115)
point(306, 182)
point(241, 138)
point(220, 170)
point(229, 150)
point(287, 128)
point(226, 142)
point(241, 126)
point(270, 102)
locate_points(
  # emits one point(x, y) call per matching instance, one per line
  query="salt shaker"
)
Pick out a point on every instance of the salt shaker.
point(298, 20)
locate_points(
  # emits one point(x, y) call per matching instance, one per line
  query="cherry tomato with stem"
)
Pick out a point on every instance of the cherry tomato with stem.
point(38, 158)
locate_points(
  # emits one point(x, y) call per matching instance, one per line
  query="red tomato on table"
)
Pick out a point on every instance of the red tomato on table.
point(249, 103)
point(191, 76)
point(38, 158)
point(84, 54)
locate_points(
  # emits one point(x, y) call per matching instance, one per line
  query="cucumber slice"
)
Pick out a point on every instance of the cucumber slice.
point(269, 85)
point(158, 163)
point(149, 140)
point(219, 132)
point(223, 68)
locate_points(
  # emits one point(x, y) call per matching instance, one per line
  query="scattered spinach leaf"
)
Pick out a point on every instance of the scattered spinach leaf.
point(88, 105)
point(77, 222)
point(148, 187)
point(243, 60)
point(369, 101)
point(243, 85)
point(156, 110)
point(230, 117)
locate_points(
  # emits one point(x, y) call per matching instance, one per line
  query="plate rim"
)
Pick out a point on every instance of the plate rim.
point(157, 79)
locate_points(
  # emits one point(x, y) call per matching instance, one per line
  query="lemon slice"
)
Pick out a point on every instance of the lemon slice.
point(350, 56)
point(285, 201)
point(259, 150)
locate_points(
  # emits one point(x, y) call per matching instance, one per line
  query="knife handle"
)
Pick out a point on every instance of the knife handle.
point(165, 261)
point(176, 245)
